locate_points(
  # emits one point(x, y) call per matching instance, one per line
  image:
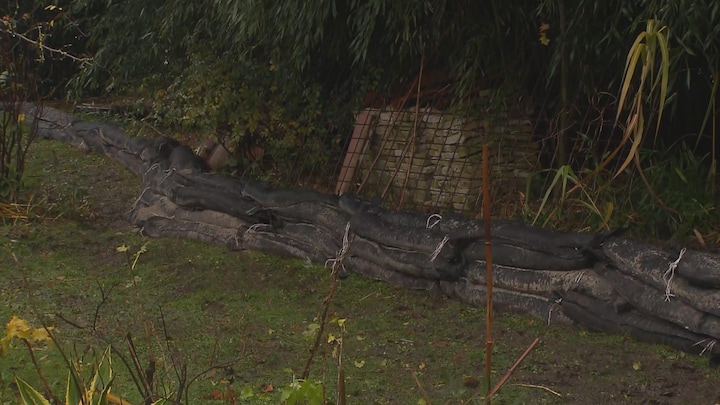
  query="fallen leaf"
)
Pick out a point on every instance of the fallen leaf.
point(269, 388)
point(360, 364)
point(230, 396)
point(216, 395)
point(470, 381)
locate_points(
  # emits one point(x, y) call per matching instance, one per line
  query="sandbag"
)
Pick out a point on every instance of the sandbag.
point(545, 283)
point(649, 264)
point(597, 315)
point(475, 294)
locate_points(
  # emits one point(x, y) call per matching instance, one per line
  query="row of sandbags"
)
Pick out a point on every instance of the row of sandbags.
point(599, 281)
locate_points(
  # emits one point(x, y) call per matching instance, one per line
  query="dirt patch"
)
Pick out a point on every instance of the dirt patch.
point(240, 321)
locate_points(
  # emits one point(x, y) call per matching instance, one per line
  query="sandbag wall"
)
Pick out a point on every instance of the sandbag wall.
point(599, 281)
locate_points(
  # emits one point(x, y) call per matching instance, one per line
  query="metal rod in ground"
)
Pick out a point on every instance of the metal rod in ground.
point(488, 262)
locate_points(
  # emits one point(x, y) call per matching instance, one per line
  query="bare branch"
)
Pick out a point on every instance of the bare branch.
point(64, 54)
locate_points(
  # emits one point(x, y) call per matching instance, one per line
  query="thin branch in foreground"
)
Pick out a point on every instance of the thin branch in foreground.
point(139, 369)
point(512, 369)
point(39, 371)
point(337, 265)
point(39, 44)
point(541, 387)
point(421, 388)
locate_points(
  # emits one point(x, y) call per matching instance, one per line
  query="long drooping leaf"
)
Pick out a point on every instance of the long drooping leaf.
point(636, 50)
point(642, 55)
point(664, 76)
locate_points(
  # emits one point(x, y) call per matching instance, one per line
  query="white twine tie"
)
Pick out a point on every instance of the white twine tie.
point(437, 218)
point(439, 248)
point(670, 274)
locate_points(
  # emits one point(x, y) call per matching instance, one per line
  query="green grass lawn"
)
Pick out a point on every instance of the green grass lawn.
point(240, 323)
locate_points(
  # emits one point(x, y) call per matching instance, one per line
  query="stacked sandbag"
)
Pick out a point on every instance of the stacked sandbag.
point(598, 281)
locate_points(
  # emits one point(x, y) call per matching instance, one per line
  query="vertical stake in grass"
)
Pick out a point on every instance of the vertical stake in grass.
point(337, 265)
point(488, 263)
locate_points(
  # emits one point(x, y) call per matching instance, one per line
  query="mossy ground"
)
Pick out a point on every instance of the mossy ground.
point(237, 321)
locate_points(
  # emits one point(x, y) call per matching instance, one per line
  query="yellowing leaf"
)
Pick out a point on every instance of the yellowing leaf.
point(360, 364)
point(19, 328)
point(15, 326)
point(341, 322)
point(122, 249)
point(311, 331)
point(39, 335)
point(543, 33)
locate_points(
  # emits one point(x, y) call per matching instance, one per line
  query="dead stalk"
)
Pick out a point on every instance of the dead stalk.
point(507, 375)
point(336, 268)
point(413, 137)
point(489, 279)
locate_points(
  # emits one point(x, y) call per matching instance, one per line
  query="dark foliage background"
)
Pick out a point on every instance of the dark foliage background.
point(275, 76)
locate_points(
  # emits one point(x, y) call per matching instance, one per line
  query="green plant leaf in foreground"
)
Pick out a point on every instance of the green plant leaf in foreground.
point(28, 394)
point(73, 395)
point(101, 380)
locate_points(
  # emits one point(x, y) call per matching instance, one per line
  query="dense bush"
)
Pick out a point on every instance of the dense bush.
point(265, 77)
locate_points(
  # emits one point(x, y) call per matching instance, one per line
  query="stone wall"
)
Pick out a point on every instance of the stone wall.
point(434, 161)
